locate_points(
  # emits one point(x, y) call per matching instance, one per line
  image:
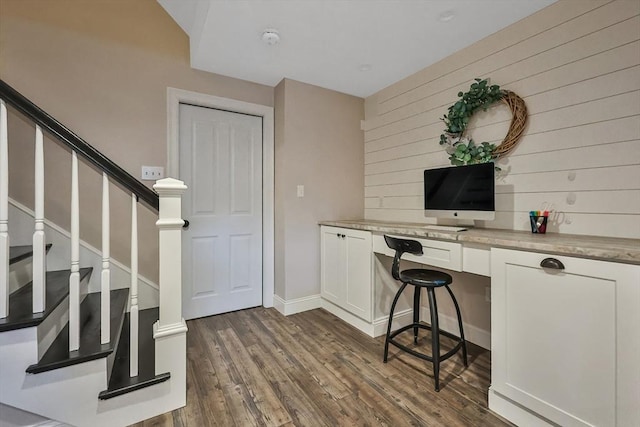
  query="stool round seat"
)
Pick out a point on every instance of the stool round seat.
point(422, 277)
point(428, 279)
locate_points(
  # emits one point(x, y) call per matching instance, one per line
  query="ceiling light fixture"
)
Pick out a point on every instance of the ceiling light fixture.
point(271, 37)
point(365, 67)
point(446, 16)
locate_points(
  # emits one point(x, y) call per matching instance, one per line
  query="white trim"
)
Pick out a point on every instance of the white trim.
point(298, 305)
point(84, 244)
point(515, 413)
point(174, 98)
point(472, 333)
point(169, 330)
point(374, 329)
point(351, 319)
point(400, 319)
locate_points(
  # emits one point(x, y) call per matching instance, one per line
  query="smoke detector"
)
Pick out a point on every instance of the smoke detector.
point(446, 16)
point(271, 37)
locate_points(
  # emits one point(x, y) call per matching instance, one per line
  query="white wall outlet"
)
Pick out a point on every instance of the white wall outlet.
point(152, 173)
point(300, 190)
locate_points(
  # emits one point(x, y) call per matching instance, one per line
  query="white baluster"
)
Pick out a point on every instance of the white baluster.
point(39, 263)
point(133, 312)
point(105, 289)
point(74, 278)
point(4, 212)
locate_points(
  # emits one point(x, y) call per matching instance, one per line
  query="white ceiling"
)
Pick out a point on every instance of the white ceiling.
point(328, 42)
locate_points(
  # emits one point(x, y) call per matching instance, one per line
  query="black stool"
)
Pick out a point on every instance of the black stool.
point(422, 278)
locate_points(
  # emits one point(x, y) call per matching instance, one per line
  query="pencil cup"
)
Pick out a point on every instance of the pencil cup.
point(538, 224)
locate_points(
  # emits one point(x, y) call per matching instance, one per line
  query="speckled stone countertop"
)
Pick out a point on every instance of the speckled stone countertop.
point(594, 247)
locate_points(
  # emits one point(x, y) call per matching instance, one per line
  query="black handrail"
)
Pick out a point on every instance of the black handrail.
point(77, 144)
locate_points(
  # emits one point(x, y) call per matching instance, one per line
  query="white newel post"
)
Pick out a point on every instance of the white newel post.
point(133, 311)
point(74, 278)
point(105, 277)
point(4, 212)
point(39, 267)
point(170, 330)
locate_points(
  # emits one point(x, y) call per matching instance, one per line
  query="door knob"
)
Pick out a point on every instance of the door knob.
point(186, 223)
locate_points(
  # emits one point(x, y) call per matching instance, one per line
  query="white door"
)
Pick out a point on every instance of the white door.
point(221, 163)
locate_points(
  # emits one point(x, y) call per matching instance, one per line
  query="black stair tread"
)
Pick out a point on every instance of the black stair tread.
point(58, 354)
point(21, 301)
point(18, 253)
point(120, 381)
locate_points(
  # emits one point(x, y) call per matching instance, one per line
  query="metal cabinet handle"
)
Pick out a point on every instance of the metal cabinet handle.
point(552, 263)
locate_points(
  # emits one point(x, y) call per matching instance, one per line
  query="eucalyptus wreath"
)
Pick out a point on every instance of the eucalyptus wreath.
point(463, 150)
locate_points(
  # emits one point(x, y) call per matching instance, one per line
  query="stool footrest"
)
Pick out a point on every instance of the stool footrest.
point(423, 356)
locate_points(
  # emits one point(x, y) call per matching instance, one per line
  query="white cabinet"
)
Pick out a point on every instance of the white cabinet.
point(346, 270)
point(565, 342)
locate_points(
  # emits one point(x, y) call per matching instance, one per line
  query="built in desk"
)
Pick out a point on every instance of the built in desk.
point(565, 312)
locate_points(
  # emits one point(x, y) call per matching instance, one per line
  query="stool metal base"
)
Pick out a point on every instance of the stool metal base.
point(435, 358)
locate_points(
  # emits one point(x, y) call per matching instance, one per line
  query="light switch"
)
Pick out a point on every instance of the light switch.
point(152, 173)
point(300, 190)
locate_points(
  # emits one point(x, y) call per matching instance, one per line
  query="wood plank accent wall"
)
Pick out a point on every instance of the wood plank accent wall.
point(576, 64)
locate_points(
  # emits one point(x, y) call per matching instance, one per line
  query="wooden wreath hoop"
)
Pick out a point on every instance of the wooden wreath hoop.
point(518, 124)
point(462, 149)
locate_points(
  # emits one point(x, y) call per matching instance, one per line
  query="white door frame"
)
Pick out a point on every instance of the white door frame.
point(177, 96)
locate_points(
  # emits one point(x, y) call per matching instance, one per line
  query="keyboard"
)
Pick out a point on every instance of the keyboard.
point(445, 228)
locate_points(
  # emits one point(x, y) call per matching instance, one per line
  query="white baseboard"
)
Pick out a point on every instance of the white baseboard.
point(298, 305)
point(472, 333)
point(400, 319)
point(515, 413)
point(378, 327)
point(21, 222)
point(355, 321)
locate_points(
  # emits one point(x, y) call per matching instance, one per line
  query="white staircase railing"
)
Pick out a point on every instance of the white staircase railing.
point(105, 276)
point(170, 330)
point(4, 212)
point(39, 267)
point(133, 290)
point(74, 278)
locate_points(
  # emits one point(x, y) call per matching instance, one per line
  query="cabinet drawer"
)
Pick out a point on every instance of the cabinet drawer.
point(476, 259)
point(435, 252)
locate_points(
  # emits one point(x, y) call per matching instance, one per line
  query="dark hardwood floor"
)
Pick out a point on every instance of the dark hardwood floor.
point(258, 368)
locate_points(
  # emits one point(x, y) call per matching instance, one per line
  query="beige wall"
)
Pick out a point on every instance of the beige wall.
point(576, 64)
point(102, 68)
point(318, 145)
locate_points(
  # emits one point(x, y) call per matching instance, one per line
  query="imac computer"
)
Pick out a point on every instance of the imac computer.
point(460, 192)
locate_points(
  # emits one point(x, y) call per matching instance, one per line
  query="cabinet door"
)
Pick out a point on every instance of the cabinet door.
point(359, 287)
point(332, 282)
point(566, 343)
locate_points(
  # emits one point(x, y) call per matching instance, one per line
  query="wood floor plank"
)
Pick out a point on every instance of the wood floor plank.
point(258, 368)
point(301, 409)
point(205, 390)
point(267, 402)
point(294, 340)
point(286, 357)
